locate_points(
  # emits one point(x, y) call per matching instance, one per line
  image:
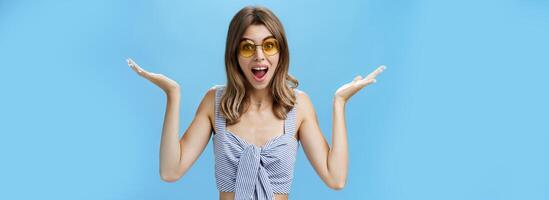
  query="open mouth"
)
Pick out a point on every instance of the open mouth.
point(260, 73)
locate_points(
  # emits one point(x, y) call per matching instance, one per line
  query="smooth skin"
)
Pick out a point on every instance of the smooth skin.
point(178, 155)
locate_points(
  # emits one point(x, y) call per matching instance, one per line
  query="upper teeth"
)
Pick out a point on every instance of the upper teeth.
point(259, 68)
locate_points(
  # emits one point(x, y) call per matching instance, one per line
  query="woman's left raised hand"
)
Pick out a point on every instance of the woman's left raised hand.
point(348, 90)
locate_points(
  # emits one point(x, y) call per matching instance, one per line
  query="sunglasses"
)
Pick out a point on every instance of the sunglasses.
point(247, 47)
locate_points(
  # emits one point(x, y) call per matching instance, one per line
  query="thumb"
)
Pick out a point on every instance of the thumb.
point(357, 78)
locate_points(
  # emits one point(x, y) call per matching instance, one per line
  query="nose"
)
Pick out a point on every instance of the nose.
point(259, 56)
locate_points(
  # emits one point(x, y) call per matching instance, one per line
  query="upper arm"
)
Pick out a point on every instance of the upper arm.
point(312, 140)
point(198, 133)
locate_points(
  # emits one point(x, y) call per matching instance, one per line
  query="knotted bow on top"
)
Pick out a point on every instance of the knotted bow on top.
point(252, 180)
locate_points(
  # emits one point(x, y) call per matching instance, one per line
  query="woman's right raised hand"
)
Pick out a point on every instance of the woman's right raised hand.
point(165, 83)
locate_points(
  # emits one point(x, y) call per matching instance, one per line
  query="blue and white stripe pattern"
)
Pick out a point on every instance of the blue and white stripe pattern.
point(253, 172)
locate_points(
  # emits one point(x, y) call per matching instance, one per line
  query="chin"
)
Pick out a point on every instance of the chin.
point(260, 86)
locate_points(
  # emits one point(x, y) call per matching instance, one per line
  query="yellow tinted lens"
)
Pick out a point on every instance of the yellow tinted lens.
point(270, 46)
point(247, 48)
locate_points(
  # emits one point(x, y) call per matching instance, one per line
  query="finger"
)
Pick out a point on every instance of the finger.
point(357, 78)
point(365, 82)
point(376, 72)
point(138, 69)
point(130, 62)
point(135, 66)
point(132, 65)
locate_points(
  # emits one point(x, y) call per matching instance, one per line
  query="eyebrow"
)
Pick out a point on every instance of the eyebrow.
point(268, 37)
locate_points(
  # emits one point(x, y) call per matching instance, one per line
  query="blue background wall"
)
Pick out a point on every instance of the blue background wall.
point(460, 113)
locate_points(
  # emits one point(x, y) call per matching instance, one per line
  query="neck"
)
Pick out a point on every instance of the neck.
point(260, 99)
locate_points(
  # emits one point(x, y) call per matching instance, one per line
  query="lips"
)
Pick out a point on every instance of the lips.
point(260, 72)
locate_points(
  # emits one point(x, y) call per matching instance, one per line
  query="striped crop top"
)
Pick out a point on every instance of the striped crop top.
point(253, 172)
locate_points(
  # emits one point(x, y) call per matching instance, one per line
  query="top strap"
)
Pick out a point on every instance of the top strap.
point(291, 117)
point(219, 119)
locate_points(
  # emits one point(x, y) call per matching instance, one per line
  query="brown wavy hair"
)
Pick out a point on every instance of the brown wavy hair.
point(235, 101)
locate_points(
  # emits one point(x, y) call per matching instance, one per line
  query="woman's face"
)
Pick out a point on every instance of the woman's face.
point(258, 67)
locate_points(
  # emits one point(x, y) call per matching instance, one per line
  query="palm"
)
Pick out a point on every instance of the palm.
point(348, 90)
point(160, 80)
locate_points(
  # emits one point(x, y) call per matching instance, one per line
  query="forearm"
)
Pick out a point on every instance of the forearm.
point(169, 145)
point(338, 154)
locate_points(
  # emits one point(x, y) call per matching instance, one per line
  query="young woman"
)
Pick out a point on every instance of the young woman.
point(257, 118)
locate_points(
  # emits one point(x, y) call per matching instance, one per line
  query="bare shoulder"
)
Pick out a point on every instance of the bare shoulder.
point(303, 101)
point(304, 106)
point(207, 105)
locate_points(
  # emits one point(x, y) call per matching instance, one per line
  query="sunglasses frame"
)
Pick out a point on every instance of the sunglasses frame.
point(255, 46)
